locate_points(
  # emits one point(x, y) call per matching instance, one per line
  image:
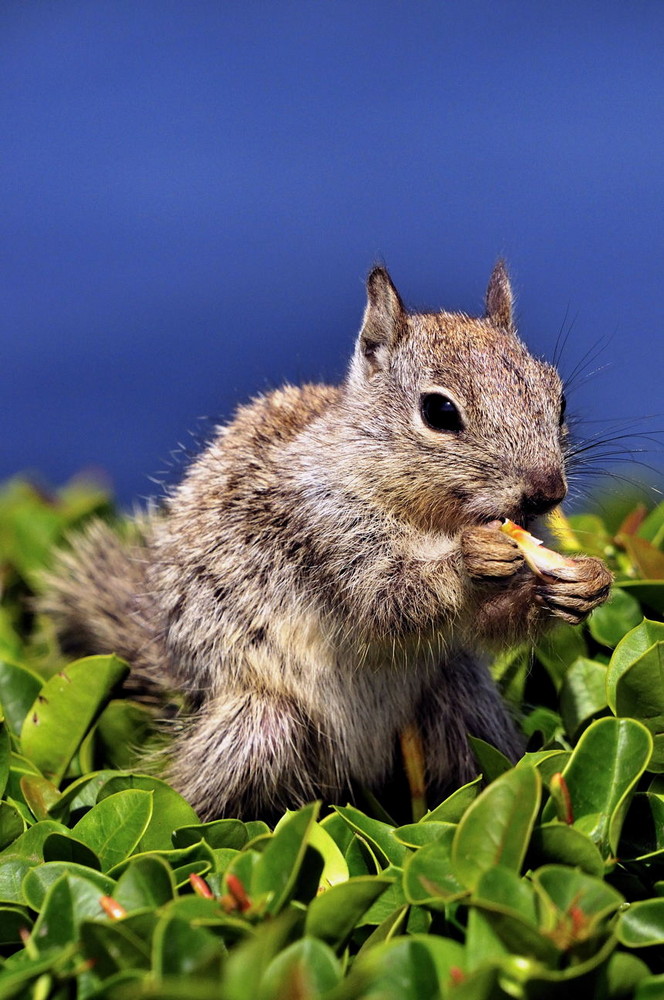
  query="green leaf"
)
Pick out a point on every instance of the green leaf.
point(583, 694)
point(68, 901)
point(567, 887)
point(558, 649)
point(198, 857)
point(642, 925)
point(379, 835)
point(643, 833)
point(39, 879)
point(652, 527)
point(276, 871)
point(611, 621)
point(429, 877)
point(624, 972)
point(510, 908)
point(244, 969)
point(5, 756)
point(170, 809)
point(651, 988)
point(146, 882)
point(422, 833)
point(181, 949)
point(218, 833)
point(601, 776)
point(307, 968)
point(648, 592)
point(64, 847)
point(113, 948)
point(630, 649)
point(454, 806)
point(333, 914)
point(409, 968)
point(561, 844)
point(14, 921)
point(81, 794)
point(335, 869)
point(12, 825)
point(40, 794)
point(490, 761)
point(19, 688)
point(122, 728)
point(30, 845)
point(114, 827)
point(496, 828)
point(64, 710)
point(638, 692)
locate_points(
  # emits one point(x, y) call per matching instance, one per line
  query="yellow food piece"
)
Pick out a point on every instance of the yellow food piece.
point(541, 560)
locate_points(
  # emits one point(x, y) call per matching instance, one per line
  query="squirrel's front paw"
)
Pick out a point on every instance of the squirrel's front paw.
point(488, 553)
point(576, 590)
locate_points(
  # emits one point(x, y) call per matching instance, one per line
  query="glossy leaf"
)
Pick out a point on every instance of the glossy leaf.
point(19, 688)
point(146, 882)
point(611, 621)
point(642, 924)
point(454, 806)
point(181, 949)
point(64, 710)
point(333, 914)
point(601, 776)
point(170, 810)
point(64, 847)
point(68, 901)
point(490, 761)
point(39, 879)
point(114, 827)
point(14, 923)
point(420, 834)
point(218, 833)
point(335, 869)
point(40, 794)
point(497, 826)
point(583, 694)
point(277, 869)
point(630, 649)
point(113, 948)
point(557, 843)
point(379, 835)
point(5, 757)
point(307, 968)
point(410, 968)
point(430, 878)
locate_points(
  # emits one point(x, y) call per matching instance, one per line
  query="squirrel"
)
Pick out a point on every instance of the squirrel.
point(330, 569)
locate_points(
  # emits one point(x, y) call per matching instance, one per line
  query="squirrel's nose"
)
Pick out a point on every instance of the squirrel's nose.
point(545, 490)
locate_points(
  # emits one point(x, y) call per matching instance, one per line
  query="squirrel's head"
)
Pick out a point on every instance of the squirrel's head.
point(463, 424)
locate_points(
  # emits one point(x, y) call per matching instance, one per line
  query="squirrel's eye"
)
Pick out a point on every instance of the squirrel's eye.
point(439, 413)
point(563, 408)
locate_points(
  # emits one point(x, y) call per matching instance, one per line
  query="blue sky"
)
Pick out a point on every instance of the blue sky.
point(192, 193)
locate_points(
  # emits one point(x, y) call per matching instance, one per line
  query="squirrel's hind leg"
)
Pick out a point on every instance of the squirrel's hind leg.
point(462, 701)
point(252, 754)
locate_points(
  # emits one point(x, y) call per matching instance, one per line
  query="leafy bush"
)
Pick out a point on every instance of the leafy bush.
point(531, 881)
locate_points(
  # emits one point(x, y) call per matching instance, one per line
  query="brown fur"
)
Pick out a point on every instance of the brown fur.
point(330, 570)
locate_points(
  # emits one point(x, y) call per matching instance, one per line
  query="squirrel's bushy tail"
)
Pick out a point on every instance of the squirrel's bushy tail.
point(97, 596)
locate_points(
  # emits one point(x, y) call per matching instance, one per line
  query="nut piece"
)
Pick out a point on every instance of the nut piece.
point(544, 562)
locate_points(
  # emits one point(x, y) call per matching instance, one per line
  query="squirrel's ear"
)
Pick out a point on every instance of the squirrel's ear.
point(383, 323)
point(499, 298)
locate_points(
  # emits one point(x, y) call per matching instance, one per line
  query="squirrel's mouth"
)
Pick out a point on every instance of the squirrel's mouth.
point(516, 514)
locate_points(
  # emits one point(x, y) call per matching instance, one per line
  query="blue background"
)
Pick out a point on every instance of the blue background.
point(191, 194)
